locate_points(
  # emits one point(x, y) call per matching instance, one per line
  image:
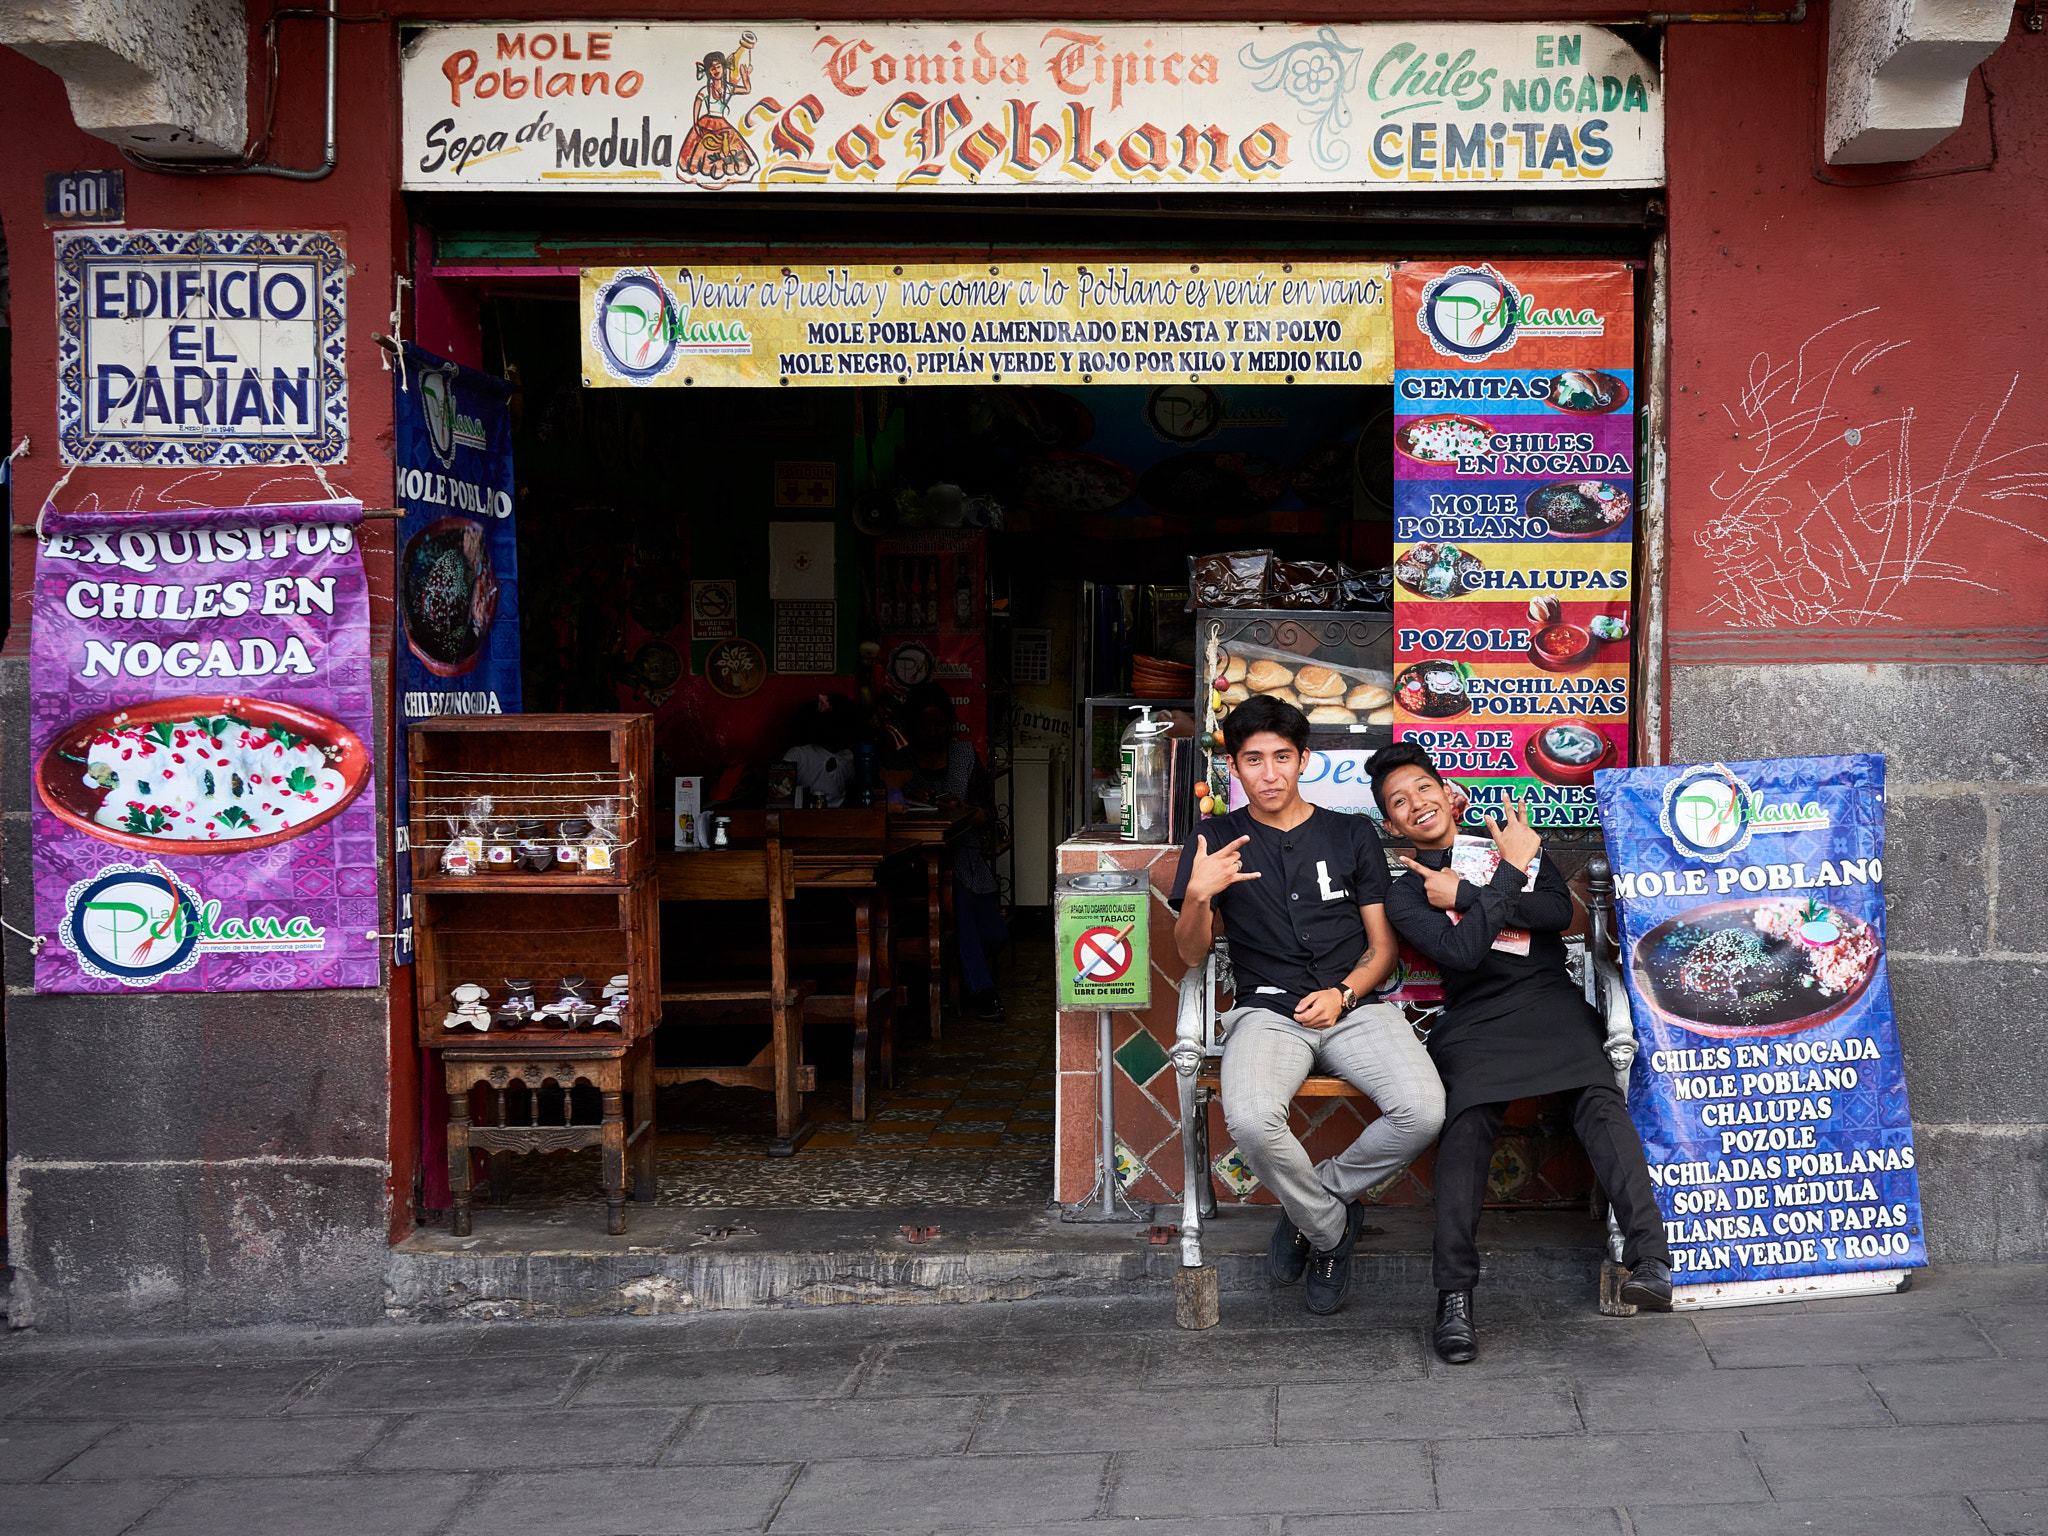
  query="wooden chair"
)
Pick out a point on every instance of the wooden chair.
point(768, 877)
point(929, 888)
point(844, 851)
point(1197, 1057)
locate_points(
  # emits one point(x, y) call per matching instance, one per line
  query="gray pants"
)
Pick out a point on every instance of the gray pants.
point(1266, 1058)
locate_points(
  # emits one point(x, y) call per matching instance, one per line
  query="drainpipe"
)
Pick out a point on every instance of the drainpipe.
point(289, 173)
point(328, 157)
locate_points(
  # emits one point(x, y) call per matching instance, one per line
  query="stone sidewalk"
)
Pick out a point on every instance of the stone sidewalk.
point(1917, 1415)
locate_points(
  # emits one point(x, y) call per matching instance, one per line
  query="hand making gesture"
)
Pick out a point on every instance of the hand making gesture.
point(1214, 873)
point(1439, 885)
point(1517, 840)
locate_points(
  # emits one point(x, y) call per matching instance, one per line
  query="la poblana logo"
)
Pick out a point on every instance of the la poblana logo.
point(447, 426)
point(1471, 313)
point(137, 924)
point(640, 330)
point(1711, 812)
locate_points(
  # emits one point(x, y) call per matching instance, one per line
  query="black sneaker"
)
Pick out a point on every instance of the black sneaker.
point(1287, 1255)
point(1329, 1273)
point(1456, 1340)
point(1648, 1286)
point(990, 1008)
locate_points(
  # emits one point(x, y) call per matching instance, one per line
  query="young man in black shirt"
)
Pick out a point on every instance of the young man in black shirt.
point(1300, 894)
point(1513, 1026)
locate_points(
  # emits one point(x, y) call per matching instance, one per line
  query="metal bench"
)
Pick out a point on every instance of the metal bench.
point(1197, 1059)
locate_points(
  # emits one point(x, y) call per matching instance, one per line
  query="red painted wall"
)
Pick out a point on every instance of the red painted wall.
point(1856, 422)
point(358, 202)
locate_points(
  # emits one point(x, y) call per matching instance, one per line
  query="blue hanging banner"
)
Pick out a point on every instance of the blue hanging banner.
point(458, 570)
point(1768, 1086)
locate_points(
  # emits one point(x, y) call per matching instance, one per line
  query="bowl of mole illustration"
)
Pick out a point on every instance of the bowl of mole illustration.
point(201, 773)
point(1768, 966)
point(448, 595)
point(1580, 509)
point(1570, 754)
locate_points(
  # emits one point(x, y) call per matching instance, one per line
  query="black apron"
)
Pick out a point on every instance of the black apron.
point(1516, 1026)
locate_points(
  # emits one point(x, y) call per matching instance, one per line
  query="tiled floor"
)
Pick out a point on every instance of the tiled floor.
point(969, 1122)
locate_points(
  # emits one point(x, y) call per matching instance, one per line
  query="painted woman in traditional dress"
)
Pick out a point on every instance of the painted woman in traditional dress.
point(715, 153)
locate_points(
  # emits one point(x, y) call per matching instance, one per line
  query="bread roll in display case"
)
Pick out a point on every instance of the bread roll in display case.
point(1336, 667)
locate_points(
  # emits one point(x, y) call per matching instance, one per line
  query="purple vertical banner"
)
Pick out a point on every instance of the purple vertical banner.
point(203, 813)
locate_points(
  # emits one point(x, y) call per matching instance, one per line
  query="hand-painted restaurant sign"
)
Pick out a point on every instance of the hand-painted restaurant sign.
point(848, 106)
point(1097, 323)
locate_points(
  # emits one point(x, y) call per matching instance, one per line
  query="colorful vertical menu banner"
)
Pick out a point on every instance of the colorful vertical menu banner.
point(1514, 526)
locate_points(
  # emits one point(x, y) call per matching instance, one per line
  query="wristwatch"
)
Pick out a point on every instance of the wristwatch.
point(1347, 998)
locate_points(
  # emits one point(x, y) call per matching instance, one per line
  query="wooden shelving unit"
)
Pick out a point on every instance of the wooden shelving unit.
point(480, 931)
point(486, 927)
point(540, 767)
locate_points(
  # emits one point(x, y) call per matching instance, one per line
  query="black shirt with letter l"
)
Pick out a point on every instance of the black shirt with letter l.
point(1297, 928)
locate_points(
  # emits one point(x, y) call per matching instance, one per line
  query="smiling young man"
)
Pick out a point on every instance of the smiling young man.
point(1514, 1025)
point(1300, 894)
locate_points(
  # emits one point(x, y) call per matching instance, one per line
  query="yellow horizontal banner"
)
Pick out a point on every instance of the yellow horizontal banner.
point(1498, 573)
point(1096, 323)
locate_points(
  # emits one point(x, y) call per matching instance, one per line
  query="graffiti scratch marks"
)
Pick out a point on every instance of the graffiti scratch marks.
point(1830, 515)
point(182, 491)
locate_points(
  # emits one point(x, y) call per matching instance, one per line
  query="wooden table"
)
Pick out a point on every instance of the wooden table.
point(932, 833)
point(857, 868)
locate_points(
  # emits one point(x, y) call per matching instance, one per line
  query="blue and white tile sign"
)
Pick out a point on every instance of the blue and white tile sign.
point(1768, 1085)
point(201, 347)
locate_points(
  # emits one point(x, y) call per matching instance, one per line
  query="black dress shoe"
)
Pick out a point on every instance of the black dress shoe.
point(1454, 1336)
point(1648, 1286)
point(1287, 1254)
point(1329, 1272)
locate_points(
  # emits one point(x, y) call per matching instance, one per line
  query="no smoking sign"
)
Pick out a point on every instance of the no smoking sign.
point(1101, 954)
point(1104, 938)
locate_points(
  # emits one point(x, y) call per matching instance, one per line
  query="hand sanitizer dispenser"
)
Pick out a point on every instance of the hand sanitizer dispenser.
point(1142, 758)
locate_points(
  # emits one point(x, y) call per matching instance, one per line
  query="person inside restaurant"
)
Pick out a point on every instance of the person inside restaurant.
point(944, 770)
point(1514, 1025)
point(824, 746)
